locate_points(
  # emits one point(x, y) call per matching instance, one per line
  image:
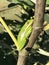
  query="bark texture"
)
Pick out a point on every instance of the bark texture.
point(37, 28)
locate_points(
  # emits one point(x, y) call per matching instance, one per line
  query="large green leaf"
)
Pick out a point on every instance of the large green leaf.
point(22, 2)
point(13, 13)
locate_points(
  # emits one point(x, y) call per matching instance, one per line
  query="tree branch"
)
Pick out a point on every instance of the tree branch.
point(37, 28)
point(38, 24)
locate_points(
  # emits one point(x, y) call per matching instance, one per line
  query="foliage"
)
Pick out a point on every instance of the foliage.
point(16, 15)
point(47, 2)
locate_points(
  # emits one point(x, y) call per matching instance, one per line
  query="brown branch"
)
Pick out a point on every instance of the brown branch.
point(38, 24)
point(37, 28)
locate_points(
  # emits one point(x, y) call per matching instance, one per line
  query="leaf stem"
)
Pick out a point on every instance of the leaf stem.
point(9, 32)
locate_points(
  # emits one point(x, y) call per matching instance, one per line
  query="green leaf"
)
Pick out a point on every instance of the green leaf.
point(47, 1)
point(16, 13)
point(46, 28)
point(24, 33)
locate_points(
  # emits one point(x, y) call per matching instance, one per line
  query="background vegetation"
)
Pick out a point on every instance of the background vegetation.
point(15, 15)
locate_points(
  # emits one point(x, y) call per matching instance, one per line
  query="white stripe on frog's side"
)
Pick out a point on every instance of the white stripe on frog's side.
point(24, 32)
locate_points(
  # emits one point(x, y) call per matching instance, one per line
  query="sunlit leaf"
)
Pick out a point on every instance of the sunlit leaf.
point(47, 63)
